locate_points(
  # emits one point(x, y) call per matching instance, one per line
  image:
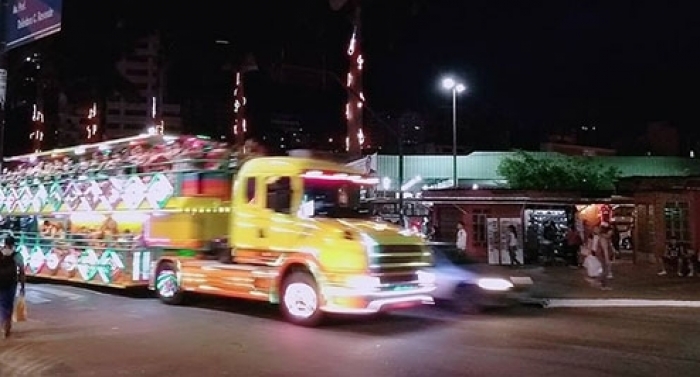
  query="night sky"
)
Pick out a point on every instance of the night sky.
point(532, 65)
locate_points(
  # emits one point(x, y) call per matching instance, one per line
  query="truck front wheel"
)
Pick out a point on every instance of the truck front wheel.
point(301, 303)
point(168, 285)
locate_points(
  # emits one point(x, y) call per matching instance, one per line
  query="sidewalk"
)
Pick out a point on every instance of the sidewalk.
point(631, 281)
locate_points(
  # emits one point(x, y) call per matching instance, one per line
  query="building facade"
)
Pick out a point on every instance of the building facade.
point(145, 69)
point(656, 199)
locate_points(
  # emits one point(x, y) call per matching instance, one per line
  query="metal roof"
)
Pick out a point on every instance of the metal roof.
point(482, 167)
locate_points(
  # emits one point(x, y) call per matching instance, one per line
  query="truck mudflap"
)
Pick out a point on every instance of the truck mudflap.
point(348, 303)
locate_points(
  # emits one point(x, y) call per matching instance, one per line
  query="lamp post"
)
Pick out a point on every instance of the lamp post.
point(456, 88)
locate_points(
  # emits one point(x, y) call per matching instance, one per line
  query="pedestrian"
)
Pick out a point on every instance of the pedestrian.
point(686, 258)
point(673, 254)
point(11, 274)
point(461, 237)
point(573, 244)
point(549, 239)
point(604, 252)
point(513, 246)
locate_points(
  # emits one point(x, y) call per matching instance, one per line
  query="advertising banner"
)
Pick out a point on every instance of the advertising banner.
point(367, 165)
point(3, 86)
point(29, 20)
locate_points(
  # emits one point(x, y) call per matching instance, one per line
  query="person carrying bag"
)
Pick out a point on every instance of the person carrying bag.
point(11, 274)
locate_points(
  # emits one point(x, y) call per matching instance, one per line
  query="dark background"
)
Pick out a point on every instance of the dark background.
point(532, 67)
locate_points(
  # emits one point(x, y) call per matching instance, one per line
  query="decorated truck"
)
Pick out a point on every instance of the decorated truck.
point(182, 216)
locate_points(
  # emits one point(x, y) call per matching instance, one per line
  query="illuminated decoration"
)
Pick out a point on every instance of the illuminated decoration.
point(240, 127)
point(355, 103)
point(110, 266)
point(317, 174)
point(37, 134)
point(360, 135)
point(87, 264)
point(141, 266)
point(167, 281)
point(36, 260)
point(53, 261)
point(55, 200)
point(39, 197)
point(70, 264)
point(146, 191)
point(24, 198)
point(159, 191)
point(91, 128)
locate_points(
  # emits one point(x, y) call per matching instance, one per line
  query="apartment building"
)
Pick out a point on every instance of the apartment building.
point(145, 69)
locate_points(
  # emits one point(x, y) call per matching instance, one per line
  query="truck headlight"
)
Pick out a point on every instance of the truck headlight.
point(425, 278)
point(494, 284)
point(364, 282)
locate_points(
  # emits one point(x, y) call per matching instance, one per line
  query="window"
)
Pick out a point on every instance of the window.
point(135, 112)
point(250, 189)
point(338, 198)
point(479, 220)
point(676, 219)
point(279, 194)
point(136, 72)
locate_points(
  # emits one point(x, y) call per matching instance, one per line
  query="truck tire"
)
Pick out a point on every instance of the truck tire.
point(168, 285)
point(300, 300)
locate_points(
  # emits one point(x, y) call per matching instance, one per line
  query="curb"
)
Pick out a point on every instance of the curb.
point(617, 303)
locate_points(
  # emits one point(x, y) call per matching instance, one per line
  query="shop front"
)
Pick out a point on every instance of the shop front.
point(488, 214)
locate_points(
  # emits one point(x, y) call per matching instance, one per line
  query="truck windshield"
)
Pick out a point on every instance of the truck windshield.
point(334, 198)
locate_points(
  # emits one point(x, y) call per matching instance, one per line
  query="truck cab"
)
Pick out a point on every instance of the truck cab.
point(296, 232)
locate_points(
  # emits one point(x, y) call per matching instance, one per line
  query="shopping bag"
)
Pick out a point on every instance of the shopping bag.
point(20, 312)
point(593, 267)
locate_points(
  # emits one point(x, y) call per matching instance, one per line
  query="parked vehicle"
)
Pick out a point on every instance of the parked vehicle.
point(469, 286)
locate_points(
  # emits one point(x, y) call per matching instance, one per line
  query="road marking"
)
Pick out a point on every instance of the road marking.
point(55, 292)
point(21, 360)
point(35, 298)
point(618, 303)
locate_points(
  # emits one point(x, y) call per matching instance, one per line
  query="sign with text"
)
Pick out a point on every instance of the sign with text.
point(29, 20)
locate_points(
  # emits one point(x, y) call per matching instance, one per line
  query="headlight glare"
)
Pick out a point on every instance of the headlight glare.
point(494, 284)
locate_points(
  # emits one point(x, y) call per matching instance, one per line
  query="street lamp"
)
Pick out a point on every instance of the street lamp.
point(456, 87)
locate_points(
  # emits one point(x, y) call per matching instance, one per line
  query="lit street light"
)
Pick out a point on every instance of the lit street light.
point(456, 88)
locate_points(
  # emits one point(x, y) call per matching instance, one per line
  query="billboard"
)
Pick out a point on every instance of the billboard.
point(29, 20)
point(3, 86)
point(367, 165)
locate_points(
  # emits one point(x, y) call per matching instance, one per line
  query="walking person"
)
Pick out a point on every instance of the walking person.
point(573, 244)
point(604, 253)
point(461, 237)
point(549, 239)
point(513, 246)
point(11, 274)
point(686, 258)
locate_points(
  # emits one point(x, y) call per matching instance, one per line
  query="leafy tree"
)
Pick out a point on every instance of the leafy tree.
point(531, 172)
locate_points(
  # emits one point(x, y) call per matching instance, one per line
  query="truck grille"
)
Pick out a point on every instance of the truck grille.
point(398, 260)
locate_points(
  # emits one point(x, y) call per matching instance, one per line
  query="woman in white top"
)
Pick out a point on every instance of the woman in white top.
point(513, 246)
point(461, 237)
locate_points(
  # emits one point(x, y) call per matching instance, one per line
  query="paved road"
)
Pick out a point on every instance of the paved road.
point(79, 332)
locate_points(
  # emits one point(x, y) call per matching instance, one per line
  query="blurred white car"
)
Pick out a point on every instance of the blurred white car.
point(469, 286)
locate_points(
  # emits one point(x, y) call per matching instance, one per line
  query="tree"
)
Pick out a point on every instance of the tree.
point(530, 172)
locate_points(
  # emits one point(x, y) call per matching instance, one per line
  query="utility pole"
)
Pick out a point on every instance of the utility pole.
point(398, 133)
